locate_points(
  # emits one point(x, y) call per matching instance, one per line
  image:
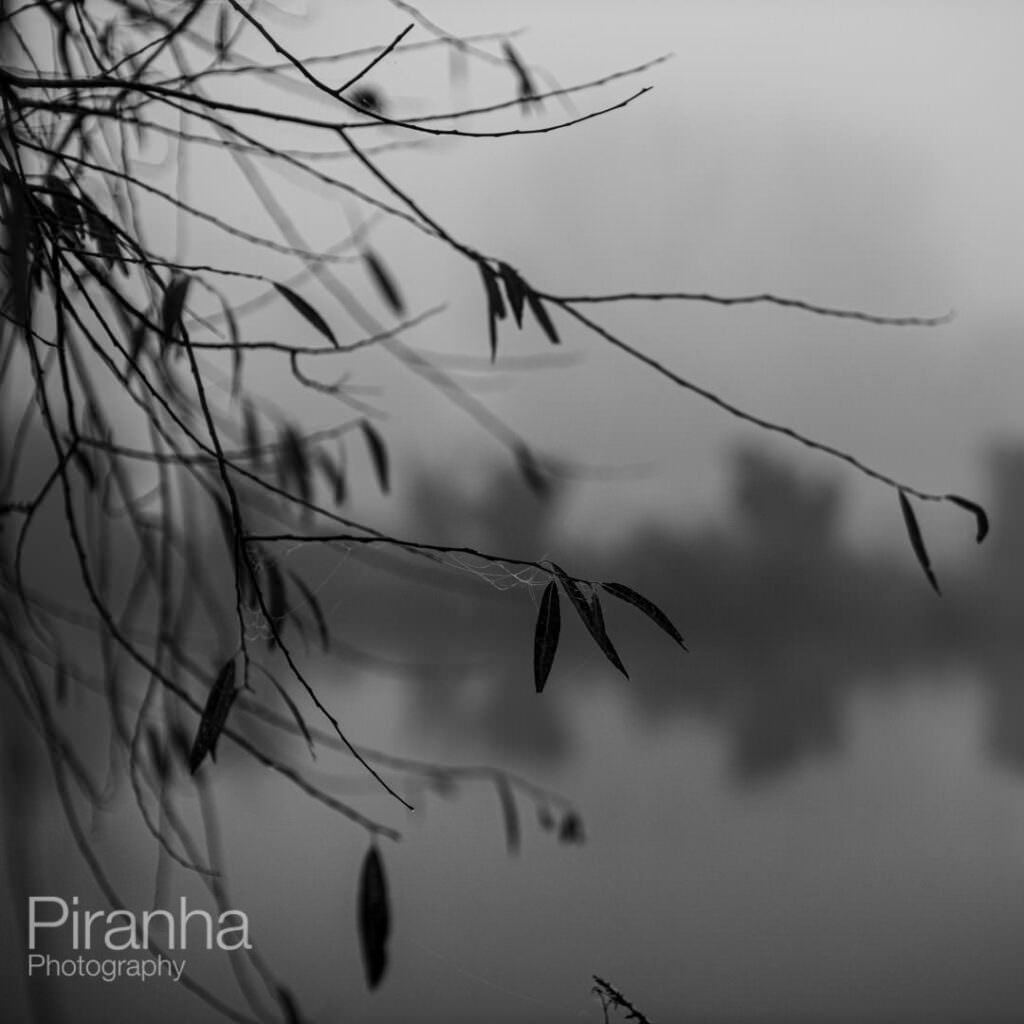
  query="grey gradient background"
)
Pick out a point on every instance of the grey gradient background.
point(817, 815)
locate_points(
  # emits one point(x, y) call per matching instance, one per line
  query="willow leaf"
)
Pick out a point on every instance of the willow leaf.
point(215, 713)
point(980, 515)
point(586, 613)
point(307, 312)
point(378, 454)
point(374, 917)
point(538, 310)
point(509, 814)
point(545, 640)
point(385, 282)
point(917, 540)
point(649, 608)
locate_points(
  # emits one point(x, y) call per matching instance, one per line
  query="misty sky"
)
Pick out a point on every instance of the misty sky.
point(849, 154)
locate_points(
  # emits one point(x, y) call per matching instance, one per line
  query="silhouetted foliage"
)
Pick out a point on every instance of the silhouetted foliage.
point(130, 420)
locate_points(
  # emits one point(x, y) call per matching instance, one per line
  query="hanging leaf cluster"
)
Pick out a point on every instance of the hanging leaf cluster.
point(74, 216)
point(587, 606)
point(520, 296)
point(567, 825)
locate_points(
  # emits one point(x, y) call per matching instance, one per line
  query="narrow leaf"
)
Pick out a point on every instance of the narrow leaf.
point(236, 346)
point(135, 346)
point(545, 640)
point(307, 312)
point(385, 282)
point(524, 81)
point(538, 310)
point(288, 1004)
point(917, 540)
point(378, 453)
point(515, 287)
point(509, 813)
point(571, 828)
point(293, 462)
point(594, 625)
point(495, 306)
point(534, 476)
point(649, 608)
point(374, 917)
point(980, 515)
point(173, 305)
point(335, 476)
point(215, 713)
point(222, 32)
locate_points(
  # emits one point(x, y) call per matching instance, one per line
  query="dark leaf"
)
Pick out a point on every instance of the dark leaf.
point(976, 510)
point(288, 1004)
point(917, 541)
point(597, 611)
point(378, 453)
point(538, 310)
point(594, 625)
point(516, 290)
point(173, 306)
point(571, 829)
point(524, 81)
point(335, 476)
point(649, 608)
point(545, 640)
point(509, 813)
point(374, 917)
point(495, 306)
point(135, 345)
point(293, 465)
point(545, 818)
point(222, 32)
point(384, 281)
point(66, 207)
point(307, 312)
point(534, 476)
point(215, 713)
point(369, 98)
point(236, 370)
point(104, 233)
point(236, 346)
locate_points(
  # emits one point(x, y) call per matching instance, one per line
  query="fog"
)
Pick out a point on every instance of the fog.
point(816, 813)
